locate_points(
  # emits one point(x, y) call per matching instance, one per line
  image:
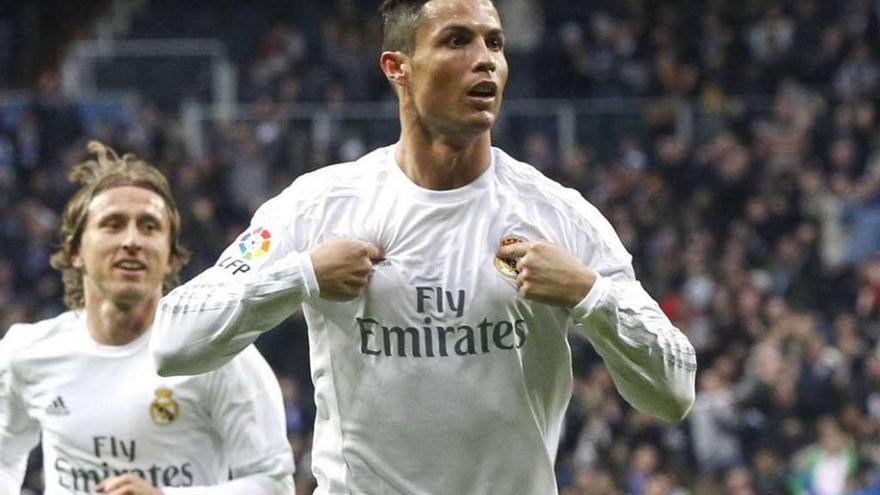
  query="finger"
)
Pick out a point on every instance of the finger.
point(362, 267)
point(512, 251)
point(374, 252)
point(355, 283)
point(111, 484)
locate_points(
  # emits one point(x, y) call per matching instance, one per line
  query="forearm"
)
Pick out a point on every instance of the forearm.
point(201, 325)
point(652, 363)
point(262, 484)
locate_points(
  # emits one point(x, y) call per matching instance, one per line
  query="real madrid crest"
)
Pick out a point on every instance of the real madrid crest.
point(164, 409)
point(507, 267)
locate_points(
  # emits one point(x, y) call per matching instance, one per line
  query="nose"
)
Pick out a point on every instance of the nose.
point(488, 65)
point(485, 59)
point(132, 238)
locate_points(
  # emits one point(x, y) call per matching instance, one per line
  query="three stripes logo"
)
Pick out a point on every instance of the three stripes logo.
point(57, 407)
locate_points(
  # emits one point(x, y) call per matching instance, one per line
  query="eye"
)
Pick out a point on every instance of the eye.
point(112, 224)
point(495, 44)
point(457, 40)
point(150, 226)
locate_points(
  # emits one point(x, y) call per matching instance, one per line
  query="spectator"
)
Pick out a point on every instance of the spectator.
point(714, 425)
point(824, 467)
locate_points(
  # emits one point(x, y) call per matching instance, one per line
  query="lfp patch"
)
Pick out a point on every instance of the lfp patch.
point(255, 243)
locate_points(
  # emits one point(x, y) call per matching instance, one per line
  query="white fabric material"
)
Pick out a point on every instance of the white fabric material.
point(830, 473)
point(439, 378)
point(103, 411)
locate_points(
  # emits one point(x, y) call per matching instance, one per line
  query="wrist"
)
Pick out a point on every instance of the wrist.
point(592, 299)
point(582, 287)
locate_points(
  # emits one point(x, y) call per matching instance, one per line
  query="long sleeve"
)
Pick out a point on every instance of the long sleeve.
point(258, 281)
point(651, 362)
point(19, 433)
point(244, 400)
point(201, 325)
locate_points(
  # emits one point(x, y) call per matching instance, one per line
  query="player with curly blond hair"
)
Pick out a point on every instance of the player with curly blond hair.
point(84, 381)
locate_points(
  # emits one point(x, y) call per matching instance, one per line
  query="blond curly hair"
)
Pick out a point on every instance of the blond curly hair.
point(107, 171)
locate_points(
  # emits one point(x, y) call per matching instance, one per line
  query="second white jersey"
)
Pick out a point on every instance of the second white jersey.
point(103, 411)
point(439, 378)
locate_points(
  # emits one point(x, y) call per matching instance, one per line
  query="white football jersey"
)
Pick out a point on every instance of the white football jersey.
point(103, 411)
point(439, 379)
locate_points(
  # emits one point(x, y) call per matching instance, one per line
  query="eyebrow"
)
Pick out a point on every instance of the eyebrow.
point(115, 215)
point(462, 28)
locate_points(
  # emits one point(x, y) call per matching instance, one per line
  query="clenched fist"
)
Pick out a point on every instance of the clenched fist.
point(549, 274)
point(343, 266)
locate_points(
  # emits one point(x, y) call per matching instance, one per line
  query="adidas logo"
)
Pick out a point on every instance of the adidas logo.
point(57, 407)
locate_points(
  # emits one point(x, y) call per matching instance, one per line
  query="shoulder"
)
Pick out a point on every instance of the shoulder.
point(251, 359)
point(521, 180)
point(371, 166)
point(246, 370)
point(341, 180)
point(528, 185)
point(247, 381)
point(27, 337)
point(25, 342)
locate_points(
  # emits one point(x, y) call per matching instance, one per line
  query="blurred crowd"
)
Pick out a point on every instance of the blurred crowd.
point(755, 221)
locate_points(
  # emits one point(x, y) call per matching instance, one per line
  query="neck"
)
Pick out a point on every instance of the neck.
point(115, 323)
point(439, 162)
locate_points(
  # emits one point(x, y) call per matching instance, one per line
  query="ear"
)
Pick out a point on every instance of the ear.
point(173, 264)
point(395, 65)
point(75, 260)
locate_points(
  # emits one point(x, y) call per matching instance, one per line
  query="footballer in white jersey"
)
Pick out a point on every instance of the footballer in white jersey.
point(439, 279)
point(84, 380)
point(103, 411)
point(439, 377)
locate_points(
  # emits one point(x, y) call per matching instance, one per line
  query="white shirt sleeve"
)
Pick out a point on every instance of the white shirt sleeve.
point(652, 363)
point(258, 281)
point(19, 433)
point(246, 404)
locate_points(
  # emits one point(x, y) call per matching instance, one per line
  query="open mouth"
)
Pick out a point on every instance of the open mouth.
point(130, 265)
point(485, 89)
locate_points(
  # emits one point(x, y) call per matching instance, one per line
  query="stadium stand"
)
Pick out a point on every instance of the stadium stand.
point(735, 146)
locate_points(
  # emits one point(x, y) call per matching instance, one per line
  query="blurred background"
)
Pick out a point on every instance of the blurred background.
point(734, 145)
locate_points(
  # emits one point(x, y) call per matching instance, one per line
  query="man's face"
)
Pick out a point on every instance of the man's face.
point(458, 69)
point(125, 249)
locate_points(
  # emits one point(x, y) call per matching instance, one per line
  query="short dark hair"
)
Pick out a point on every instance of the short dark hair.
point(400, 19)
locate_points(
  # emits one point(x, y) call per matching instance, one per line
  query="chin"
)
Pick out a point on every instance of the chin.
point(129, 298)
point(129, 295)
point(481, 124)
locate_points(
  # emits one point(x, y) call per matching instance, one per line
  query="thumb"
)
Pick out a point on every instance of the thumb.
point(374, 252)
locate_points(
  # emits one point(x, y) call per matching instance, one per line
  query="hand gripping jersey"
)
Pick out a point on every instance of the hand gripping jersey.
point(103, 411)
point(439, 379)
